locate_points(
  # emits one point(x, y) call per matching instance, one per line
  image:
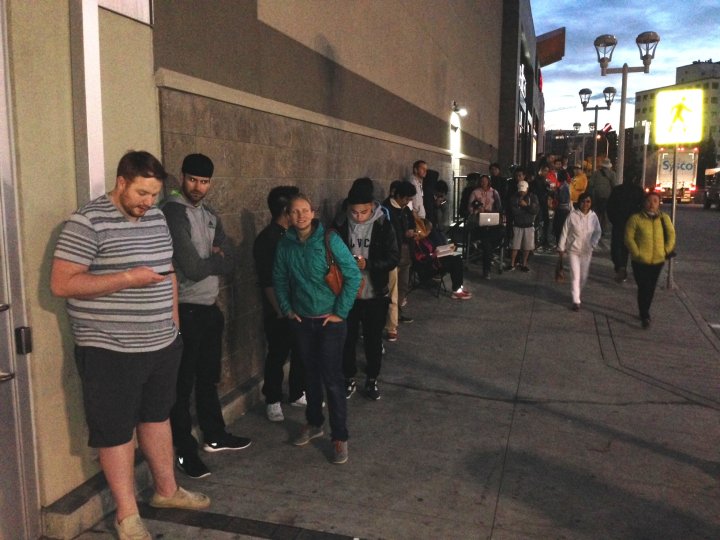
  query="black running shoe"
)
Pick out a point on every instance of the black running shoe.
point(371, 389)
point(192, 465)
point(350, 387)
point(227, 442)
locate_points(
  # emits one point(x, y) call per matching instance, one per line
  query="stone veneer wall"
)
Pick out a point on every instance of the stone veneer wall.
point(254, 151)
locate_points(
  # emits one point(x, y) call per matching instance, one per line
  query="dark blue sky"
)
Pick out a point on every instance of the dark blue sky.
point(689, 31)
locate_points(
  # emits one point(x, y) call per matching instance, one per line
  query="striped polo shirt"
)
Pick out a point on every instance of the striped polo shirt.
point(100, 237)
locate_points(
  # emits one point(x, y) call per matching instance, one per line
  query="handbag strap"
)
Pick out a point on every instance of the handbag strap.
point(664, 227)
point(329, 257)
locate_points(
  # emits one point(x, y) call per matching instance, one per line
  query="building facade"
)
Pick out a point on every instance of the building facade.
point(275, 93)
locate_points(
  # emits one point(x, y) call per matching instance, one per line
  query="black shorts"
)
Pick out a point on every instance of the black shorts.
point(121, 390)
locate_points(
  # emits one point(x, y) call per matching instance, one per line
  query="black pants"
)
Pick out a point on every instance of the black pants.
point(600, 208)
point(646, 277)
point(543, 218)
point(453, 265)
point(279, 343)
point(618, 250)
point(202, 328)
point(372, 314)
point(490, 238)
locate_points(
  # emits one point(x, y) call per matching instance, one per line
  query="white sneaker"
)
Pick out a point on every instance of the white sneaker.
point(274, 412)
point(299, 402)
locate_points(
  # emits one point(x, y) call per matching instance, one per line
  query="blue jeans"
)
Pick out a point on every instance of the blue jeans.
point(320, 349)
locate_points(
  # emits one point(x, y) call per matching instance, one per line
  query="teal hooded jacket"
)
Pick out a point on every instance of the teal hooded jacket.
point(299, 275)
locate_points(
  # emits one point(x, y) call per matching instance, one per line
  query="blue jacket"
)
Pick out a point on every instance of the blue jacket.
point(299, 275)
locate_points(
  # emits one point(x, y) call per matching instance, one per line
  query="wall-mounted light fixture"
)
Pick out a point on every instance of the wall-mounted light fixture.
point(462, 111)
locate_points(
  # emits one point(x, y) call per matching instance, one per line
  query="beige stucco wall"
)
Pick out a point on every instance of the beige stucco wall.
point(366, 37)
point(40, 71)
point(130, 110)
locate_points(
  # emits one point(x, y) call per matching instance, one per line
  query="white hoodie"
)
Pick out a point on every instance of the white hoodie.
point(581, 233)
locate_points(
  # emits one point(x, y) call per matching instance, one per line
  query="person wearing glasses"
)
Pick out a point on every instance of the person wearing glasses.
point(580, 235)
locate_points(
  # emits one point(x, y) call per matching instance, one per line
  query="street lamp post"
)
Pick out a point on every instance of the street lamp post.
point(585, 94)
point(646, 140)
point(605, 45)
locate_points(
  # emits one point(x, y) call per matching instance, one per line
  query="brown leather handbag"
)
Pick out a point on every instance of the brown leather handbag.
point(334, 277)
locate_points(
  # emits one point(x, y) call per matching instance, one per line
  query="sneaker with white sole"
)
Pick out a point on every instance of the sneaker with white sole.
point(300, 402)
point(350, 387)
point(132, 528)
point(227, 442)
point(274, 412)
point(461, 294)
point(307, 433)
point(182, 498)
point(340, 452)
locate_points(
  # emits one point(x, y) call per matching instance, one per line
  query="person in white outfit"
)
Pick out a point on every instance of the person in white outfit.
point(580, 235)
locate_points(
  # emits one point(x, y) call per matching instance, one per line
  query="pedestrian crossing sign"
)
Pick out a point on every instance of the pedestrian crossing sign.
point(678, 116)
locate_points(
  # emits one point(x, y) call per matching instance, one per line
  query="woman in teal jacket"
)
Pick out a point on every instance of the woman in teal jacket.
point(649, 237)
point(317, 317)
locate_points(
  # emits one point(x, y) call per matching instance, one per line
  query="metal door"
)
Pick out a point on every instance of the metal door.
point(19, 506)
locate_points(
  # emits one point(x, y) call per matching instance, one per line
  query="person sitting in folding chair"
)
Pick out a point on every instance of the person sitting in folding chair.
point(486, 200)
point(433, 256)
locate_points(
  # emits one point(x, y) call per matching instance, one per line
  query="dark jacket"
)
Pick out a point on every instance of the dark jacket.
point(624, 201)
point(402, 221)
point(524, 216)
point(384, 254)
point(539, 187)
point(264, 250)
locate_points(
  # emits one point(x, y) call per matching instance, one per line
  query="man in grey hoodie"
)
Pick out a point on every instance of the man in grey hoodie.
point(201, 253)
point(369, 234)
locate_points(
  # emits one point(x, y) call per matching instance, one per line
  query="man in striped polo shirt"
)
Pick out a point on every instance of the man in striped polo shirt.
point(113, 264)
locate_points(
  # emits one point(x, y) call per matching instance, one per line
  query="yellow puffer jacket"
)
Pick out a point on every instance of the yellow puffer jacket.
point(645, 239)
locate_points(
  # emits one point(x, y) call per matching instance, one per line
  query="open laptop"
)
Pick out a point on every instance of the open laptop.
point(488, 219)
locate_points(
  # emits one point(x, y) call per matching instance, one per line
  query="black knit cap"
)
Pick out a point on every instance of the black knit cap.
point(198, 165)
point(361, 191)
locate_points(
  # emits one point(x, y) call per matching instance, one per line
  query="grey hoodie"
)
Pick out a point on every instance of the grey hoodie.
point(359, 239)
point(195, 230)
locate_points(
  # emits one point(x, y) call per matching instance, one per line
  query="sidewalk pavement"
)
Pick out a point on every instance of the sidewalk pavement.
point(504, 416)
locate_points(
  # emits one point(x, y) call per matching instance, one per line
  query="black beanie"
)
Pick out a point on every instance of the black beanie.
point(361, 192)
point(198, 165)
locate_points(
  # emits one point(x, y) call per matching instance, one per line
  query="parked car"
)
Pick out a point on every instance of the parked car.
point(712, 191)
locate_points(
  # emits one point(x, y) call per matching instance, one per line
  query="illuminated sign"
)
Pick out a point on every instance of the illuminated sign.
point(522, 82)
point(678, 116)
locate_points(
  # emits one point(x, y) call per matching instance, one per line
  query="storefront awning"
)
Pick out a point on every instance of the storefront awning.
point(551, 47)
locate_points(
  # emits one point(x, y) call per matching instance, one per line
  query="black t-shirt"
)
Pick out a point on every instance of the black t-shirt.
point(264, 254)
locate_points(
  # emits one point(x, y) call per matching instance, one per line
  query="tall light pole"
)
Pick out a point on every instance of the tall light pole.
point(585, 94)
point(576, 127)
point(646, 140)
point(647, 42)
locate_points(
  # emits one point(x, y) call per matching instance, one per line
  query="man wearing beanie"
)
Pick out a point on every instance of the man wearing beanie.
point(367, 231)
point(201, 253)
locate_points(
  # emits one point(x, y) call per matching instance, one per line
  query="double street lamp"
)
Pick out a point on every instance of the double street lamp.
point(585, 94)
point(647, 42)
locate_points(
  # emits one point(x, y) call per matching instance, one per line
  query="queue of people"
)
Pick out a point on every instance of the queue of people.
point(142, 284)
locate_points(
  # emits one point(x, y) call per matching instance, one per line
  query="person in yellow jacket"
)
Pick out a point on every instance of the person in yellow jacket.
point(650, 239)
point(578, 184)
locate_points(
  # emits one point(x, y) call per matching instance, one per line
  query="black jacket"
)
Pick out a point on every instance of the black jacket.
point(625, 200)
point(402, 221)
point(524, 216)
point(384, 254)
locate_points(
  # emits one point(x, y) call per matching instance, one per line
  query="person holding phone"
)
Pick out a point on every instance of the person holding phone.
point(108, 264)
